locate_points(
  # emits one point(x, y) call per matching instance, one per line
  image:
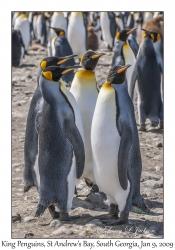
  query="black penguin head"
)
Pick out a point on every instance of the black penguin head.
point(117, 74)
point(54, 73)
point(58, 31)
point(90, 59)
point(123, 34)
point(151, 34)
point(54, 61)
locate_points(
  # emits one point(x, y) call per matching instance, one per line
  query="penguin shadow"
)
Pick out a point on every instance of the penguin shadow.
point(104, 64)
point(155, 130)
point(27, 65)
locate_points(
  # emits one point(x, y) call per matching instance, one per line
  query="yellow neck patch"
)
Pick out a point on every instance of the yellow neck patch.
point(48, 75)
point(85, 76)
point(23, 16)
point(107, 86)
point(43, 64)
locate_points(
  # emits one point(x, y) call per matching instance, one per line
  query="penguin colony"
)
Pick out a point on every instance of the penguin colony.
point(83, 131)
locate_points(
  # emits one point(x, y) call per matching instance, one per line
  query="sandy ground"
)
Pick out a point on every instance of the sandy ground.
point(90, 208)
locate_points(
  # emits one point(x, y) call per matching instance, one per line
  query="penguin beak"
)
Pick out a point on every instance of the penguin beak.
point(97, 55)
point(130, 31)
point(66, 59)
point(71, 68)
point(123, 68)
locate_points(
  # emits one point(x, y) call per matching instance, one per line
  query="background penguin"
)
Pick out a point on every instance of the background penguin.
point(77, 33)
point(119, 20)
point(61, 48)
point(61, 146)
point(17, 48)
point(128, 51)
point(130, 21)
point(15, 15)
point(115, 146)
point(92, 38)
point(41, 29)
point(84, 89)
point(22, 24)
point(147, 74)
point(58, 21)
point(97, 28)
point(108, 27)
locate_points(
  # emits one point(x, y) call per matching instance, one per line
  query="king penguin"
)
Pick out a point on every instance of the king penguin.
point(84, 88)
point(61, 144)
point(22, 24)
point(58, 21)
point(60, 47)
point(128, 51)
point(115, 147)
point(148, 75)
point(17, 48)
point(77, 33)
point(41, 29)
point(108, 28)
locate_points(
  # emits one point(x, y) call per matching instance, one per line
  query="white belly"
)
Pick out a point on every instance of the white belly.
point(58, 21)
point(39, 27)
point(105, 145)
point(24, 27)
point(105, 27)
point(76, 34)
point(86, 95)
point(71, 180)
point(129, 59)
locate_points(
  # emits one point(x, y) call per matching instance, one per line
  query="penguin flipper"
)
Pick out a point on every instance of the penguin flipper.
point(133, 81)
point(78, 146)
point(133, 44)
point(38, 121)
point(123, 154)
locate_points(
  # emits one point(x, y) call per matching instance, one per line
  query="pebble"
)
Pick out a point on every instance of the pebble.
point(157, 157)
point(55, 223)
point(29, 218)
point(157, 168)
point(62, 230)
point(28, 235)
point(147, 176)
point(82, 234)
point(14, 165)
point(159, 144)
point(153, 184)
point(15, 217)
point(78, 202)
point(95, 198)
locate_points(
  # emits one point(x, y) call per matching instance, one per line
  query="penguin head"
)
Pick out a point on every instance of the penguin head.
point(54, 73)
point(58, 31)
point(54, 61)
point(117, 74)
point(151, 34)
point(90, 59)
point(123, 34)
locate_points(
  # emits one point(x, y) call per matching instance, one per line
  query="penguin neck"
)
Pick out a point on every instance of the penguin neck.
point(85, 80)
point(147, 47)
point(107, 86)
point(22, 16)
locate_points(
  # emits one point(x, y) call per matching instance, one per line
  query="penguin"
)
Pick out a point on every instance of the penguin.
point(92, 38)
point(117, 58)
point(108, 27)
point(147, 73)
point(15, 15)
point(22, 24)
point(128, 51)
point(97, 28)
point(84, 88)
point(147, 15)
point(61, 144)
point(60, 47)
point(130, 21)
point(31, 136)
point(77, 33)
point(58, 20)
point(119, 20)
point(18, 48)
point(115, 147)
point(41, 29)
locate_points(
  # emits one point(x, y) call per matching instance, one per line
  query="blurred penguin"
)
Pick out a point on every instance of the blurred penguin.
point(17, 48)
point(77, 33)
point(108, 27)
point(22, 24)
point(58, 21)
point(60, 47)
point(41, 28)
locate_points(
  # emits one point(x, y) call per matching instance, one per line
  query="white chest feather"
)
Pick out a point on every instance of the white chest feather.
point(105, 141)
point(105, 27)
point(129, 58)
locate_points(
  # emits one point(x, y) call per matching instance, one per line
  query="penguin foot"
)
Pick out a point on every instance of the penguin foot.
point(52, 212)
point(161, 125)
point(40, 210)
point(122, 220)
point(65, 217)
point(142, 127)
point(75, 192)
point(27, 188)
point(114, 210)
